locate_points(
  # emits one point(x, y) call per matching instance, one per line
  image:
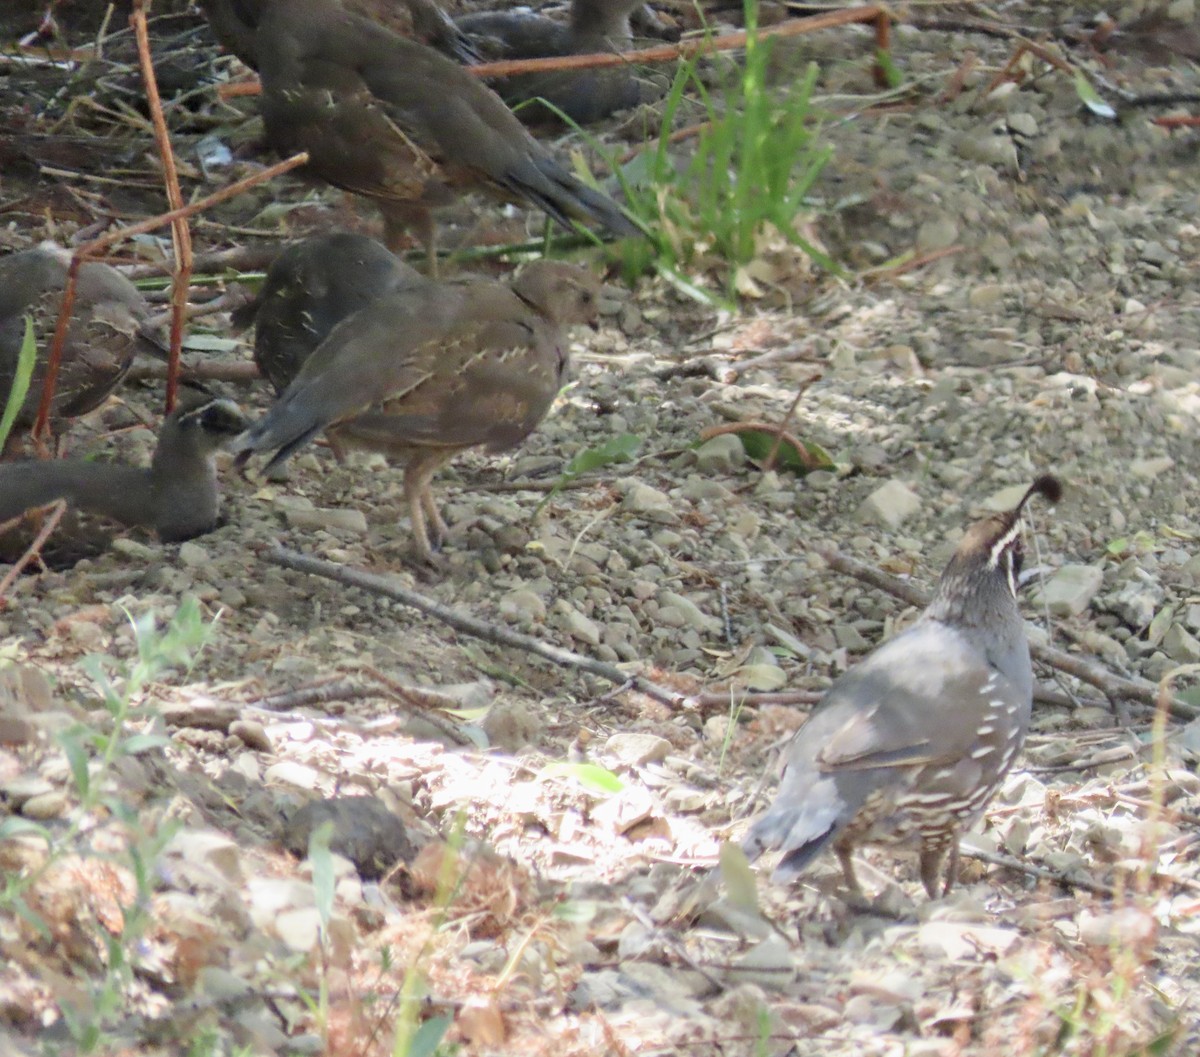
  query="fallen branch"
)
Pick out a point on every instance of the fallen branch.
point(1042, 873)
point(468, 625)
point(1109, 683)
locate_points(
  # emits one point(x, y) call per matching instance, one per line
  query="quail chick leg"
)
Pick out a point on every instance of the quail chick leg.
point(401, 218)
point(422, 510)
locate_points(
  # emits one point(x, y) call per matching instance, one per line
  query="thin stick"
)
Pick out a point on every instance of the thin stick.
point(1040, 872)
point(685, 49)
point(468, 625)
point(181, 235)
point(781, 429)
point(57, 510)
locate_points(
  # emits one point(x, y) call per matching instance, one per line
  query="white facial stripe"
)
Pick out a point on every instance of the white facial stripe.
point(1003, 543)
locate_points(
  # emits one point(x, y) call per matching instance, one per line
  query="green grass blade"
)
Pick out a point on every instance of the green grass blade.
point(26, 359)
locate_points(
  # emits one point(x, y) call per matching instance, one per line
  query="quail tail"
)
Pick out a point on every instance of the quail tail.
point(565, 198)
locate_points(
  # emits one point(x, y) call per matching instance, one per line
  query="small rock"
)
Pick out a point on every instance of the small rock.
point(1071, 589)
point(210, 849)
point(693, 616)
point(1180, 645)
point(1150, 468)
point(575, 624)
point(18, 790)
point(192, 554)
point(299, 775)
point(643, 501)
point(45, 805)
point(365, 831)
point(633, 749)
point(723, 453)
point(254, 734)
point(339, 519)
point(892, 503)
point(523, 607)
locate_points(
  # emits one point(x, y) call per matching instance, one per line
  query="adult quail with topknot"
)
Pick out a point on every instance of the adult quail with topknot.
point(910, 745)
point(426, 372)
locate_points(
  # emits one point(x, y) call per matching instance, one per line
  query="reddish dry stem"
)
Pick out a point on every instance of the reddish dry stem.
point(664, 53)
point(57, 510)
point(95, 249)
point(180, 232)
point(883, 46)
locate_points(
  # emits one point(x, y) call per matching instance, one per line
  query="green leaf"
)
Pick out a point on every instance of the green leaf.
point(593, 777)
point(892, 76)
point(15, 826)
point(428, 1037)
point(72, 747)
point(26, 358)
point(620, 448)
point(759, 443)
point(324, 884)
point(140, 743)
point(738, 877)
point(1091, 98)
point(576, 911)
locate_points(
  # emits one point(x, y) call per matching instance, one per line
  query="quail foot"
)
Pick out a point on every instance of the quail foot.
point(426, 372)
point(909, 746)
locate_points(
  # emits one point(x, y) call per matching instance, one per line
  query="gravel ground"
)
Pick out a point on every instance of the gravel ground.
point(1046, 323)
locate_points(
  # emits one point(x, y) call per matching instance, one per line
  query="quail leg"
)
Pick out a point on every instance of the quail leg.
point(401, 218)
point(951, 867)
point(422, 510)
point(932, 854)
point(845, 854)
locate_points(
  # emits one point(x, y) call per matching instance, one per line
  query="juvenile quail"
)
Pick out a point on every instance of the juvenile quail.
point(583, 95)
point(176, 495)
point(426, 372)
point(910, 744)
point(402, 124)
point(234, 23)
point(311, 287)
point(107, 329)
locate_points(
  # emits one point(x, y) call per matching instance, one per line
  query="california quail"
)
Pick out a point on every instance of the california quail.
point(424, 373)
point(176, 495)
point(400, 123)
point(311, 287)
point(107, 329)
point(234, 23)
point(910, 744)
point(583, 95)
